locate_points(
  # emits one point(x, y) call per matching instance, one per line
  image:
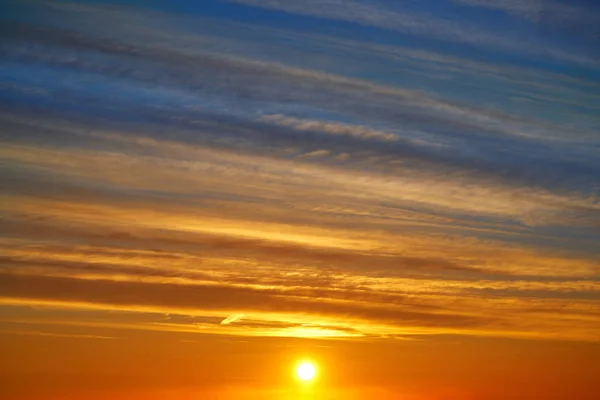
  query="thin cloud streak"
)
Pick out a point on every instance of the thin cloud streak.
point(56, 335)
point(381, 15)
point(232, 318)
point(330, 128)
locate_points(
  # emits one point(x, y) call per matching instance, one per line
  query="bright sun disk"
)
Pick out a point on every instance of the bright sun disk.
point(306, 371)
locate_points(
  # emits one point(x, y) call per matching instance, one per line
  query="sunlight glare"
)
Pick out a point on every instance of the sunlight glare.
point(306, 371)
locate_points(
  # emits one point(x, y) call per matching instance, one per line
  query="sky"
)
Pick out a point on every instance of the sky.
point(195, 195)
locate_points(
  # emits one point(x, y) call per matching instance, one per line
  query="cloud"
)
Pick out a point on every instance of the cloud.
point(343, 157)
point(316, 154)
point(302, 317)
point(382, 15)
point(144, 171)
point(527, 7)
point(55, 335)
point(273, 82)
point(498, 138)
point(204, 297)
point(232, 318)
point(331, 128)
point(536, 10)
point(414, 196)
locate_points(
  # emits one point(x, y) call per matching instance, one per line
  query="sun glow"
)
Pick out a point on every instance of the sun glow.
point(306, 371)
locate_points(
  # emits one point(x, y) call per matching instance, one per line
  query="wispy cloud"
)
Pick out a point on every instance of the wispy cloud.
point(383, 15)
point(232, 318)
point(55, 335)
point(536, 10)
point(332, 128)
point(316, 154)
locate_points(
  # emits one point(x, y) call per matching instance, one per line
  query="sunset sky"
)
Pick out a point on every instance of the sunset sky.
point(196, 195)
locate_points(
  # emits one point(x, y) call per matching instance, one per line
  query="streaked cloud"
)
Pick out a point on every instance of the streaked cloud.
point(232, 318)
point(332, 128)
point(395, 18)
point(316, 154)
point(55, 335)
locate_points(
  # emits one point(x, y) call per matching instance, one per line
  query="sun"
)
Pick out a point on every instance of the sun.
point(306, 371)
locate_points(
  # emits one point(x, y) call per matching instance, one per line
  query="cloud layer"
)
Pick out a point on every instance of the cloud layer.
point(204, 169)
